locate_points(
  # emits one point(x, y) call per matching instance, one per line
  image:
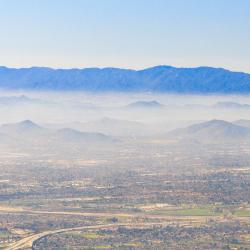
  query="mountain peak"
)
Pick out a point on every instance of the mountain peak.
point(28, 123)
point(23, 126)
point(217, 122)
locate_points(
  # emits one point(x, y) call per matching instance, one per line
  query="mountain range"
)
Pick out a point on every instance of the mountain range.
point(29, 134)
point(156, 79)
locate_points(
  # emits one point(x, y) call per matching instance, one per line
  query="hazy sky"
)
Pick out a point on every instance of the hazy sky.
point(125, 33)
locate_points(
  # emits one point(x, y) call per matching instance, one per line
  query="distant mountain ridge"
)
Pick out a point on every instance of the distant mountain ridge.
point(233, 105)
point(155, 79)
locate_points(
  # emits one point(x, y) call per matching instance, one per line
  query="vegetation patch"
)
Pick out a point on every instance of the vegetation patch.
point(92, 236)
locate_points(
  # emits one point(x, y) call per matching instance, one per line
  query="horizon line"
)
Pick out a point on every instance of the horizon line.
point(122, 68)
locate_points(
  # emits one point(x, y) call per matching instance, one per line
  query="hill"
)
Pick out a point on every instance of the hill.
point(145, 104)
point(28, 133)
point(71, 135)
point(214, 131)
point(113, 127)
point(26, 126)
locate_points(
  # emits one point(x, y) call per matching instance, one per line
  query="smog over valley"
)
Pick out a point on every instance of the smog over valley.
point(106, 146)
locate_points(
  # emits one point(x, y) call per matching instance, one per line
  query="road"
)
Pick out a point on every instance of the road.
point(28, 241)
point(20, 210)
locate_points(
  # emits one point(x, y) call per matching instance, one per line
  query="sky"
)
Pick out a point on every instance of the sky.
point(125, 33)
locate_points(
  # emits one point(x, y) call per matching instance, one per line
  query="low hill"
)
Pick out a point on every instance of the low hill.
point(114, 127)
point(214, 131)
point(30, 134)
point(145, 104)
point(26, 126)
point(71, 135)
